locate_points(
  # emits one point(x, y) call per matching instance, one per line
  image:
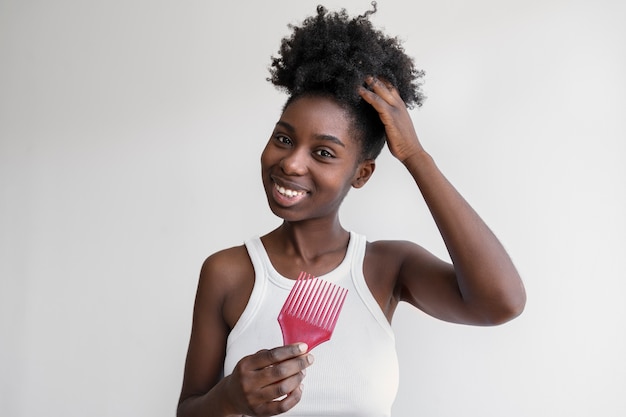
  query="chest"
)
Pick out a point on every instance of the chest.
point(355, 373)
point(379, 276)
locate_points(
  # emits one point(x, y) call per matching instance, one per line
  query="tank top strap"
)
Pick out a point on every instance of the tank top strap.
point(358, 278)
point(255, 252)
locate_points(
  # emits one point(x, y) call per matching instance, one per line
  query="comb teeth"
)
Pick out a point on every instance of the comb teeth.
point(311, 311)
point(315, 301)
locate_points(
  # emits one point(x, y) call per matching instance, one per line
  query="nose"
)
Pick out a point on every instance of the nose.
point(294, 163)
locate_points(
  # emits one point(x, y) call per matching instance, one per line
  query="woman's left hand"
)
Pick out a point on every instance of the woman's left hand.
point(401, 136)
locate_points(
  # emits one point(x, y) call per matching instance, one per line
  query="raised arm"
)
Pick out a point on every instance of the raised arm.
point(482, 286)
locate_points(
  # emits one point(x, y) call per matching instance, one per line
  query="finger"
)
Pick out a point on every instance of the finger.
point(282, 405)
point(287, 403)
point(387, 91)
point(281, 379)
point(383, 88)
point(270, 357)
point(374, 99)
point(258, 388)
point(282, 388)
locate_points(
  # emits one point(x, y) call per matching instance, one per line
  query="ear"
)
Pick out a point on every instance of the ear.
point(363, 173)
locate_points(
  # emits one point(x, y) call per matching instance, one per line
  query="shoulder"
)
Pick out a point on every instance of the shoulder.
point(227, 268)
point(383, 267)
point(226, 265)
point(226, 282)
point(398, 259)
point(393, 251)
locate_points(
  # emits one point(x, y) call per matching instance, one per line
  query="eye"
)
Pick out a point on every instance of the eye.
point(324, 153)
point(283, 139)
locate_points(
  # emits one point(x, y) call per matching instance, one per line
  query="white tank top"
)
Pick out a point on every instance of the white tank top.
point(356, 372)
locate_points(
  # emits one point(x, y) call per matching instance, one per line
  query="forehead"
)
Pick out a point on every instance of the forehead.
point(320, 116)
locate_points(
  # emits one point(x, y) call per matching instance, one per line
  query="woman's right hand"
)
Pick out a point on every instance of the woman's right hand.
point(268, 382)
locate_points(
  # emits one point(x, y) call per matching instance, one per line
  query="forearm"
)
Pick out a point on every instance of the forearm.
point(487, 279)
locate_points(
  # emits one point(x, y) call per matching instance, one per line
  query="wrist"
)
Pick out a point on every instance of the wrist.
point(226, 405)
point(215, 403)
point(417, 158)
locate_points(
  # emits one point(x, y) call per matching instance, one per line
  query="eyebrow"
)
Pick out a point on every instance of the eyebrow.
point(320, 136)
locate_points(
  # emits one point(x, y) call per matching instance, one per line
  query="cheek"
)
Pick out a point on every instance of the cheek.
point(339, 182)
point(265, 155)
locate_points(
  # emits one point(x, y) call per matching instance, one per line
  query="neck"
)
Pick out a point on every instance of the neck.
point(309, 246)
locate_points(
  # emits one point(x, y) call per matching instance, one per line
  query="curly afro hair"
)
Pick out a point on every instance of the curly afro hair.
point(331, 54)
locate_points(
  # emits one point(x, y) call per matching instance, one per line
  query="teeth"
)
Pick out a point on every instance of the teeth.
point(287, 192)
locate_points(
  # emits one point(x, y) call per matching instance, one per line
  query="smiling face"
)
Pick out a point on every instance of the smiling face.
point(312, 160)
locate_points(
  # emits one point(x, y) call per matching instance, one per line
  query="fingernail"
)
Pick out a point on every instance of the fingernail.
point(303, 347)
point(309, 359)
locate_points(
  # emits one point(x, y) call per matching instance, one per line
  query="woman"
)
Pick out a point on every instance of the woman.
point(349, 88)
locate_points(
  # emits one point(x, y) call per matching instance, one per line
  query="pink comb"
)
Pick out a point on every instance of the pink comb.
point(311, 311)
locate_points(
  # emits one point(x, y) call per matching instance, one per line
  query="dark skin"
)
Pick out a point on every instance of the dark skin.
point(310, 163)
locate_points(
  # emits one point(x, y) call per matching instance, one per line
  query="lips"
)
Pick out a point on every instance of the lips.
point(288, 188)
point(287, 193)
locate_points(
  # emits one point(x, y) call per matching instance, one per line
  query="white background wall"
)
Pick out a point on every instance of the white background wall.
point(130, 134)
